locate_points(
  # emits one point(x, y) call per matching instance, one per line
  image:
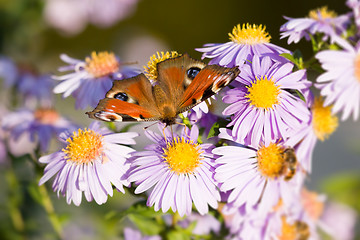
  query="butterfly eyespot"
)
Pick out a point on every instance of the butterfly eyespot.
point(192, 72)
point(121, 96)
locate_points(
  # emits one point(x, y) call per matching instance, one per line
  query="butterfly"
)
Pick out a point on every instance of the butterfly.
point(182, 83)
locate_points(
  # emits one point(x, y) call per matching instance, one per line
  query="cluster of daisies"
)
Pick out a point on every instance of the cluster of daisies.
point(251, 171)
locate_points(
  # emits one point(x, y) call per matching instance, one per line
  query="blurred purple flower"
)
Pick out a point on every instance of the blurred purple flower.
point(131, 234)
point(91, 78)
point(71, 17)
point(91, 162)
point(41, 125)
point(261, 106)
point(8, 71)
point(204, 224)
point(320, 20)
point(246, 41)
point(340, 83)
point(36, 89)
point(339, 221)
point(179, 170)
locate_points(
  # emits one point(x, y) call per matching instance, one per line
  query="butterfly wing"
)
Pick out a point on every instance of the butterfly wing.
point(209, 81)
point(128, 100)
point(173, 77)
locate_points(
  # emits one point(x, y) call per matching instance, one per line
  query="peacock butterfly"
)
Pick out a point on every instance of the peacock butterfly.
point(182, 83)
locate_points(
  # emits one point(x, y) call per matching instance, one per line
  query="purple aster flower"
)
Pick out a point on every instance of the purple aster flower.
point(340, 84)
point(261, 106)
point(246, 42)
point(205, 224)
point(36, 88)
point(8, 71)
point(72, 17)
point(335, 213)
point(41, 125)
point(91, 78)
point(179, 171)
point(131, 234)
point(258, 176)
point(91, 162)
point(320, 20)
point(320, 126)
point(355, 6)
point(202, 115)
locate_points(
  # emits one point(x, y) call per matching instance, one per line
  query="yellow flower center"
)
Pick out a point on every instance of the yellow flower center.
point(183, 156)
point(263, 93)
point(357, 67)
point(151, 69)
point(85, 146)
point(322, 13)
point(101, 64)
point(46, 116)
point(324, 123)
point(312, 203)
point(296, 231)
point(249, 34)
point(270, 160)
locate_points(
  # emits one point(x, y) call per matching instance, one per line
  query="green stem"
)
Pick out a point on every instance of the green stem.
point(14, 202)
point(49, 208)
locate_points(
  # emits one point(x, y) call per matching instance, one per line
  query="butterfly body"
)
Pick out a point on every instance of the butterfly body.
point(182, 83)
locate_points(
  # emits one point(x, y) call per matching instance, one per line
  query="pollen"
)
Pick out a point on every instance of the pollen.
point(46, 116)
point(322, 13)
point(263, 93)
point(297, 231)
point(249, 34)
point(313, 204)
point(151, 68)
point(84, 147)
point(270, 160)
point(183, 156)
point(323, 121)
point(102, 64)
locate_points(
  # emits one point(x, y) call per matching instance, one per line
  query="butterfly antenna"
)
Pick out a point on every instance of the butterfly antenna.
point(150, 125)
point(262, 192)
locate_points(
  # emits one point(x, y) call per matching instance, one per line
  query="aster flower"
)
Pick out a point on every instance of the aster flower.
point(8, 71)
point(261, 107)
point(335, 213)
point(257, 176)
point(36, 88)
point(320, 126)
point(320, 20)
point(204, 224)
point(355, 6)
point(246, 42)
point(131, 234)
point(91, 162)
point(340, 84)
point(91, 78)
point(72, 17)
point(41, 124)
point(179, 171)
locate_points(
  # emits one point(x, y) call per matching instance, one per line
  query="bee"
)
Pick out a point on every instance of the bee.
point(302, 229)
point(290, 163)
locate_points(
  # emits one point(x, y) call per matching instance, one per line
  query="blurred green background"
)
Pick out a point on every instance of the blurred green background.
point(155, 25)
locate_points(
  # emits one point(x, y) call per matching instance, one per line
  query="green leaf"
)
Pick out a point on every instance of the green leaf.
point(178, 235)
point(147, 226)
point(128, 126)
point(344, 187)
point(214, 130)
